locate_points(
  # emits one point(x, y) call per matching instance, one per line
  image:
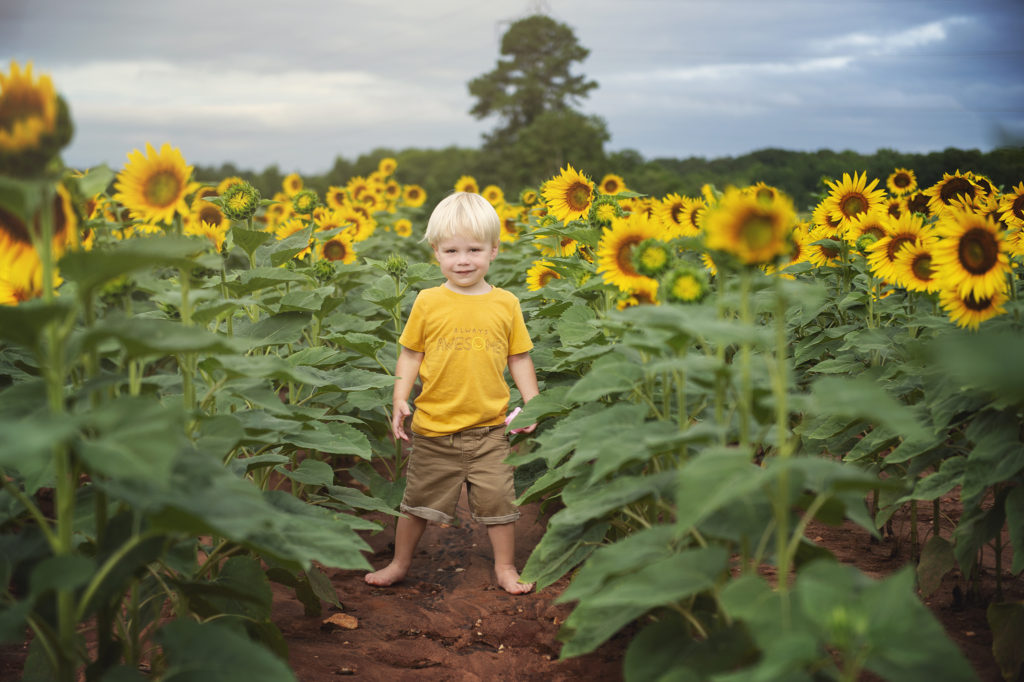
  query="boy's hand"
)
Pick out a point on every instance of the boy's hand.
point(398, 415)
point(525, 429)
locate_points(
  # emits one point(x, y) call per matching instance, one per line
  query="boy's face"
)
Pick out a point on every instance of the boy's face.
point(464, 263)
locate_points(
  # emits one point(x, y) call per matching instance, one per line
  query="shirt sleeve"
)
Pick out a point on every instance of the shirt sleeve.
point(413, 335)
point(519, 339)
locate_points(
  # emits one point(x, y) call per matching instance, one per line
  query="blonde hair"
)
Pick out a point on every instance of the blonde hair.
point(464, 214)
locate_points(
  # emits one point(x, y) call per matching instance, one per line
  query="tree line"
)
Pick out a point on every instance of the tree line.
point(532, 93)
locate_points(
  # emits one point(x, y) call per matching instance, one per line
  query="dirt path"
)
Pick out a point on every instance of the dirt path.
point(446, 621)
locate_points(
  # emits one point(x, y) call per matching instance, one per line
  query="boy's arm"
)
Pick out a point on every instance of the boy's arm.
point(520, 366)
point(407, 369)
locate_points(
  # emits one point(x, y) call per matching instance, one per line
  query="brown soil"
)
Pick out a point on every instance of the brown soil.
point(447, 620)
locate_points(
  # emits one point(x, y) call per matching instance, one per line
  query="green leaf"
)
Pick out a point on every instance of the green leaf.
point(625, 597)
point(304, 300)
point(209, 652)
point(560, 550)
point(364, 344)
point(249, 240)
point(1007, 623)
point(24, 324)
point(133, 438)
point(337, 439)
point(66, 572)
point(262, 278)
point(240, 588)
point(997, 455)
point(593, 504)
point(937, 559)
point(713, 479)
point(283, 250)
point(627, 555)
point(356, 499)
point(266, 366)
point(143, 337)
point(609, 374)
point(860, 397)
point(310, 472)
point(282, 328)
point(659, 652)
point(322, 586)
point(575, 326)
point(92, 269)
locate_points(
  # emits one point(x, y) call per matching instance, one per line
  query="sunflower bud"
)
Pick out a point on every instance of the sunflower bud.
point(305, 201)
point(651, 257)
point(396, 265)
point(684, 284)
point(240, 201)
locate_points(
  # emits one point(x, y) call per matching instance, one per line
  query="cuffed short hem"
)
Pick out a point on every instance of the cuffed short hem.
point(496, 520)
point(427, 513)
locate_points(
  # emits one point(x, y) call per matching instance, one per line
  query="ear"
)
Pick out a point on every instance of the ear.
point(494, 252)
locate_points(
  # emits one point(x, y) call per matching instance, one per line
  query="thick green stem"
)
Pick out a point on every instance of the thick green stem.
point(746, 389)
point(780, 504)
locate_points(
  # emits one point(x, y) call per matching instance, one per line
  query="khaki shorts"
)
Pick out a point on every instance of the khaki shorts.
point(439, 465)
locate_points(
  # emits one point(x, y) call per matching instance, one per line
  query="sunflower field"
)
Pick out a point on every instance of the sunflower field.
point(195, 389)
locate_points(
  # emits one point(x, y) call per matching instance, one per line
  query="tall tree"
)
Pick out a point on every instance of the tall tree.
point(532, 90)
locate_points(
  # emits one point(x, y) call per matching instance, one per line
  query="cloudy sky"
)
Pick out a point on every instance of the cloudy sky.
point(299, 83)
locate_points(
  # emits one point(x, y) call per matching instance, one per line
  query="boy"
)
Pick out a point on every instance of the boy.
point(458, 339)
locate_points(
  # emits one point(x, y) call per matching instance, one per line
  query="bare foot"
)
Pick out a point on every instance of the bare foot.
point(508, 580)
point(389, 575)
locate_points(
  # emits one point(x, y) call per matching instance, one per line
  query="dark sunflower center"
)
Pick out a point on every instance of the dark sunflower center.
point(624, 257)
point(874, 231)
point(918, 204)
point(1017, 207)
point(19, 106)
point(695, 217)
point(546, 276)
point(414, 194)
point(14, 227)
point(578, 196)
point(677, 213)
point(954, 188)
point(897, 243)
point(611, 187)
point(978, 251)
point(853, 204)
point(922, 267)
point(335, 250)
point(977, 304)
point(162, 188)
point(756, 232)
point(901, 180)
point(211, 214)
point(764, 195)
point(894, 209)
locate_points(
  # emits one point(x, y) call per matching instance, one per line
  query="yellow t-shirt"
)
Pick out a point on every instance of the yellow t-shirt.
point(465, 341)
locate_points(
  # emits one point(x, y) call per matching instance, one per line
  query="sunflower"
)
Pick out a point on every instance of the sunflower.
point(870, 224)
point(387, 166)
point(494, 195)
point(907, 229)
point(615, 250)
point(643, 292)
point(360, 225)
point(336, 197)
point(403, 227)
point(852, 196)
point(822, 254)
point(224, 184)
point(748, 229)
point(510, 217)
point(894, 206)
point(983, 183)
point(205, 211)
point(970, 311)
point(913, 267)
point(357, 186)
point(539, 274)
point(1012, 206)
point(215, 232)
point(65, 225)
point(798, 250)
point(941, 194)
point(901, 181)
point(528, 197)
point(413, 196)
point(822, 220)
point(684, 284)
point(763, 192)
point(918, 202)
point(568, 195)
point(292, 184)
point(337, 248)
point(21, 272)
point(392, 191)
point(605, 210)
point(34, 121)
point(467, 183)
point(612, 184)
point(153, 186)
point(290, 227)
point(553, 247)
point(970, 259)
